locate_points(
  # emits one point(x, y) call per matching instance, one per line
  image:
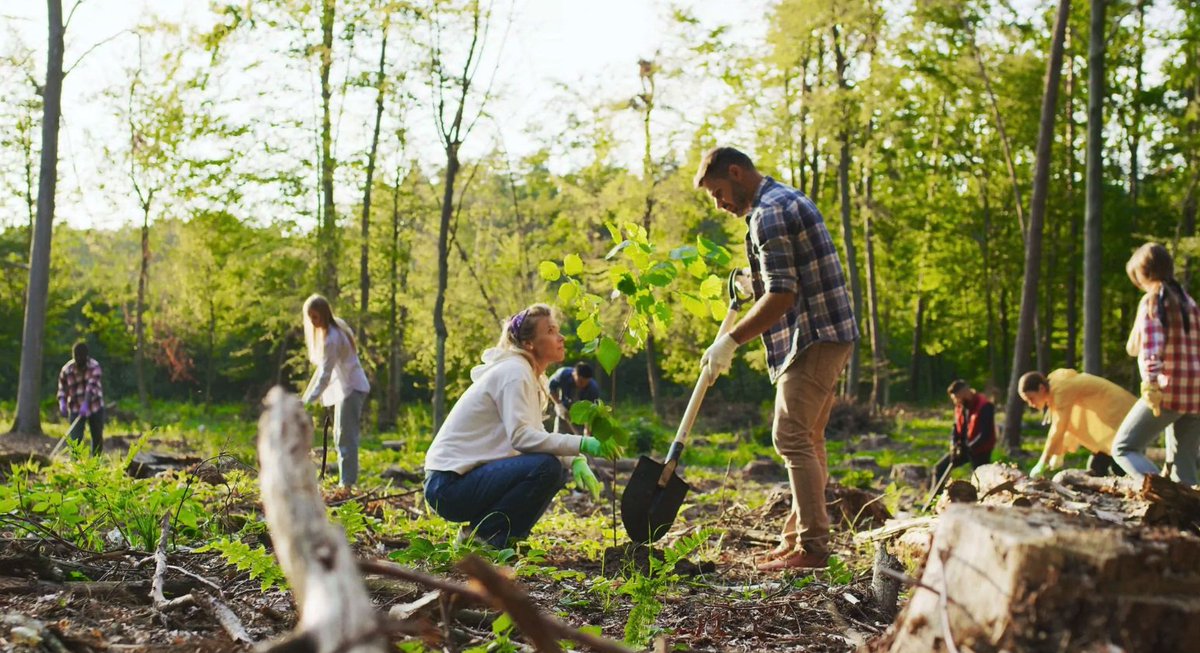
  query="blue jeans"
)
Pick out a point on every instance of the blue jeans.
point(1141, 427)
point(499, 500)
point(347, 421)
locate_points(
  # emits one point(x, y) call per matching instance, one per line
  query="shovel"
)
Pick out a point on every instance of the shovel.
point(655, 492)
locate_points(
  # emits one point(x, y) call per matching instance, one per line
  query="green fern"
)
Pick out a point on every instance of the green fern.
point(260, 564)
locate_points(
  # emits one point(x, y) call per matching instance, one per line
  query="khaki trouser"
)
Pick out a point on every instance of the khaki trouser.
point(803, 399)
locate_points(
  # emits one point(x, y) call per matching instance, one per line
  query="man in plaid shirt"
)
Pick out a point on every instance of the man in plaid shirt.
point(81, 397)
point(803, 313)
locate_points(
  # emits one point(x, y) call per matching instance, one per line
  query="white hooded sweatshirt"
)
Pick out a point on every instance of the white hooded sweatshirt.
point(499, 416)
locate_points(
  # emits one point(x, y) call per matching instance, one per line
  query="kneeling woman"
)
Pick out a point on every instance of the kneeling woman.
point(492, 463)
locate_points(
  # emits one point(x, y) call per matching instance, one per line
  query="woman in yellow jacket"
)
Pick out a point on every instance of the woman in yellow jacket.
point(1083, 410)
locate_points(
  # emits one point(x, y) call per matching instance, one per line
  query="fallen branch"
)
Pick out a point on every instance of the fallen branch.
point(336, 613)
point(160, 602)
point(514, 601)
point(559, 629)
point(224, 616)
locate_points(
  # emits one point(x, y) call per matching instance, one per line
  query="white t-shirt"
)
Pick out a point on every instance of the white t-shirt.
point(499, 416)
point(339, 372)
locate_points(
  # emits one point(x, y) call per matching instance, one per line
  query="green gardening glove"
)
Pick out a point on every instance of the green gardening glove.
point(601, 448)
point(584, 478)
point(1037, 470)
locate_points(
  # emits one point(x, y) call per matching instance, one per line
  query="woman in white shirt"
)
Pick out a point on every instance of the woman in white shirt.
point(492, 464)
point(339, 380)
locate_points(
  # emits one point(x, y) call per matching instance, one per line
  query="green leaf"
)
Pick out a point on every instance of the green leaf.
point(582, 412)
point(567, 292)
point(613, 231)
point(640, 256)
point(712, 287)
point(549, 270)
point(502, 624)
point(627, 286)
point(617, 249)
point(685, 253)
point(572, 265)
point(715, 253)
point(661, 274)
point(609, 354)
point(697, 268)
point(694, 305)
point(718, 308)
point(588, 330)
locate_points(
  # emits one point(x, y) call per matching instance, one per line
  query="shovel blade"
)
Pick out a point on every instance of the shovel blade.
point(647, 510)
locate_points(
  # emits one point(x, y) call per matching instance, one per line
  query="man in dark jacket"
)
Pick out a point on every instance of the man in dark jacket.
point(570, 384)
point(974, 434)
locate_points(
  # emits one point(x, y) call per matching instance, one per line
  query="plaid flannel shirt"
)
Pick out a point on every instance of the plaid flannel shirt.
point(74, 384)
point(1170, 357)
point(790, 250)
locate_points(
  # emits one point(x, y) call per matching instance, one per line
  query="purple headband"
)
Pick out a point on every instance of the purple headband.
point(514, 325)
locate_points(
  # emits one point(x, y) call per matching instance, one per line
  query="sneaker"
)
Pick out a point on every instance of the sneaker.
point(798, 559)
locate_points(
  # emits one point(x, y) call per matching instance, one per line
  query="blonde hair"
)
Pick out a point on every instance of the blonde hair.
point(314, 335)
point(522, 327)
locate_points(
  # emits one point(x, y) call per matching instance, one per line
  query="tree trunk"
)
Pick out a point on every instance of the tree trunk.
point(1004, 141)
point(815, 195)
point(387, 417)
point(328, 233)
point(914, 366)
point(439, 319)
point(879, 367)
point(364, 272)
point(1092, 222)
point(139, 325)
point(646, 74)
point(852, 377)
point(212, 352)
point(1033, 242)
point(985, 246)
point(1135, 129)
point(1073, 271)
point(29, 388)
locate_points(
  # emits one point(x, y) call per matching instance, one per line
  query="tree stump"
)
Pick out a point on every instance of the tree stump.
point(1028, 580)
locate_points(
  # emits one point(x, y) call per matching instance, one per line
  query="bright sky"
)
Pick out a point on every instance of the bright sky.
point(592, 47)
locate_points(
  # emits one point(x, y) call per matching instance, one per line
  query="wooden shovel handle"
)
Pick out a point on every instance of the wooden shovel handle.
point(693, 407)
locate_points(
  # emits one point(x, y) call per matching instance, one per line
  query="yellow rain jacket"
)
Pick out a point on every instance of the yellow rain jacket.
point(1084, 410)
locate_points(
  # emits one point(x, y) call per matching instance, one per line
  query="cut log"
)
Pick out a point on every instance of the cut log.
point(1171, 504)
point(335, 611)
point(987, 477)
point(1034, 580)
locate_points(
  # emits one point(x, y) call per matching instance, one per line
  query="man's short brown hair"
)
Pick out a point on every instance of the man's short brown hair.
point(957, 386)
point(715, 164)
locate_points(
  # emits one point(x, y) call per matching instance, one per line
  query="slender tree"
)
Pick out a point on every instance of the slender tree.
point(841, 64)
point(1094, 190)
point(29, 388)
point(330, 238)
point(452, 89)
point(364, 274)
point(1033, 240)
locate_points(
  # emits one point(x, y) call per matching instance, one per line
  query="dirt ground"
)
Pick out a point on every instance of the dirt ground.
point(91, 602)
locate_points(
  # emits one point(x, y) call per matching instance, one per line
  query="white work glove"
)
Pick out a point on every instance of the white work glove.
point(718, 357)
point(562, 411)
